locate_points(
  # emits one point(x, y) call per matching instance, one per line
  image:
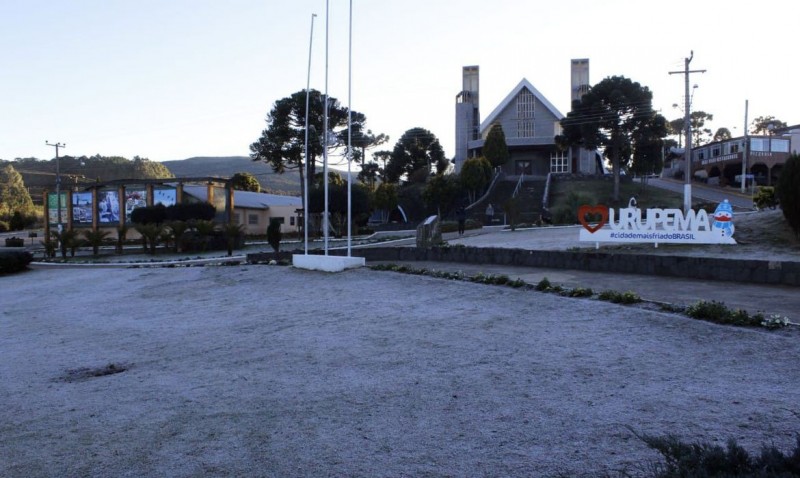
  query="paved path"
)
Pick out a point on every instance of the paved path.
point(766, 299)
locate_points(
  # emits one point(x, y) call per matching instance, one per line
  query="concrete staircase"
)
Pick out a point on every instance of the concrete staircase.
point(530, 196)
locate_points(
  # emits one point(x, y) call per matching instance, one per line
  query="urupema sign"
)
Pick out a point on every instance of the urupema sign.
point(666, 226)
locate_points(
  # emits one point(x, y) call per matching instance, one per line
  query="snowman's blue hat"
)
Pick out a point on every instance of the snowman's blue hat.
point(725, 206)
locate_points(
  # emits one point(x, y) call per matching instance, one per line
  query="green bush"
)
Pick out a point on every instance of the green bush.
point(765, 197)
point(718, 312)
point(713, 461)
point(627, 297)
point(4, 227)
point(14, 261)
point(581, 292)
point(17, 222)
point(543, 285)
point(788, 192)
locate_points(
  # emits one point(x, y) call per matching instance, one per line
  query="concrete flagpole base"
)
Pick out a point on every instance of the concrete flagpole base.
point(315, 262)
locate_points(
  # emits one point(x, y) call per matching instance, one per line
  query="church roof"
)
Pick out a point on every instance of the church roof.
point(524, 84)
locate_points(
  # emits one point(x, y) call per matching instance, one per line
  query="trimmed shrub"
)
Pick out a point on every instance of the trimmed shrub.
point(191, 211)
point(179, 212)
point(14, 261)
point(149, 215)
point(15, 242)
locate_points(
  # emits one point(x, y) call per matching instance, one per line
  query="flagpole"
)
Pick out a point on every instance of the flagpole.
point(305, 175)
point(349, 131)
point(325, 134)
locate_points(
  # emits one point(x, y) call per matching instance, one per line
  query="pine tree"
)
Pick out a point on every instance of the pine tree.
point(14, 195)
point(496, 149)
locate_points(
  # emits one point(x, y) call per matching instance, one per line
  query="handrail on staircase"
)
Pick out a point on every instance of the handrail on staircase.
point(489, 191)
point(546, 193)
point(519, 185)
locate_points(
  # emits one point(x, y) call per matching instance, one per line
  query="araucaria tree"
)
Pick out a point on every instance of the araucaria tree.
point(788, 192)
point(281, 145)
point(495, 149)
point(417, 151)
point(608, 117)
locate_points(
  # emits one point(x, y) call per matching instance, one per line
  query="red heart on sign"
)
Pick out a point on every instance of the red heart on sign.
point(585, 210)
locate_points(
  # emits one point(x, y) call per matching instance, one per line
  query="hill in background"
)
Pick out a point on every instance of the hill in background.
point(287, 183)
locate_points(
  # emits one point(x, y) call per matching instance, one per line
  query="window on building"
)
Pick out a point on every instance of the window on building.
point(252, 219)
point(715, 151)
point(758, 144)
point(780, 145)
point(559, 162)
point(291, 221)
point(526, 112)
point(733, 148)
point(237, 218)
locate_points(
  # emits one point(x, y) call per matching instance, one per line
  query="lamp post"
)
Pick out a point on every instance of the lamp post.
point(58, 182)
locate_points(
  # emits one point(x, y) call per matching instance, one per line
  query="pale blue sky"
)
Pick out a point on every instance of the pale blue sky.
point(171, 79)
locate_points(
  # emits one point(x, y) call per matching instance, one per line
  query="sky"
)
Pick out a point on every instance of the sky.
point(173, 79)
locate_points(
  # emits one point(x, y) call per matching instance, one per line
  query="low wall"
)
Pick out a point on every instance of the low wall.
point(719, 269)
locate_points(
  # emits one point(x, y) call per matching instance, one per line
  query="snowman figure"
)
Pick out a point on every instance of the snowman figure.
point(723, 219)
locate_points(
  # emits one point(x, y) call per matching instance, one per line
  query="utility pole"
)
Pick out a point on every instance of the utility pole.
point(687, 155)
point(58, 182)
point(744, 149)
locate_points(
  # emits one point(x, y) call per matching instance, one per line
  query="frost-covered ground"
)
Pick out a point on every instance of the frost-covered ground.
point(272, 371)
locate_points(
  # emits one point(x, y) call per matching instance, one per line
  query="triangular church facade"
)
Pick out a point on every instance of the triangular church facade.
point(530, 123)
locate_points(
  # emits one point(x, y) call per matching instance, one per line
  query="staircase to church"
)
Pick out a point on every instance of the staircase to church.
point(530, 201)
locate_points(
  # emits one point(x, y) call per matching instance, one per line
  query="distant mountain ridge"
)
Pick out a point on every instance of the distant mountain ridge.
point(226, 166)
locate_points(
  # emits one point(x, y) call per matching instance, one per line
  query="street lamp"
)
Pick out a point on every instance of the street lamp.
point(58, 182)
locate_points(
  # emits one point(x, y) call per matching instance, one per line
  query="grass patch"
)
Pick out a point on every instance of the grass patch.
point(601, 190)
